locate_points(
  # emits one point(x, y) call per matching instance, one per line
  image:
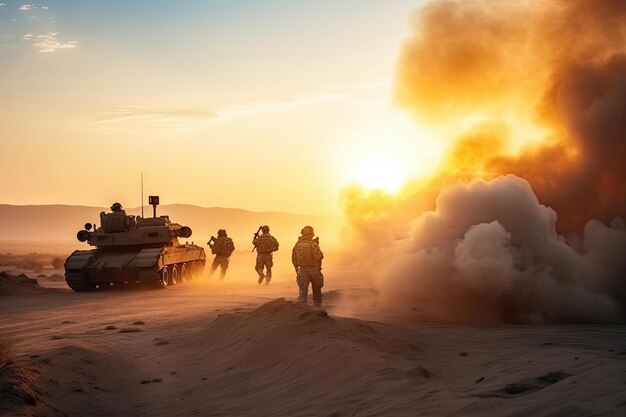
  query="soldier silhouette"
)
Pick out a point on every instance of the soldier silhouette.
point(265, 245)
point(306, 257)
point(222, 247)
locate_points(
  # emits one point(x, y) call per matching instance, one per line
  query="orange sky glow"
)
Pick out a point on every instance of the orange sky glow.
point(259, 107)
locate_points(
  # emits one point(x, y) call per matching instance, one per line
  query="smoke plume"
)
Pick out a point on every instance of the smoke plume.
point(536, 89)
point(490, 252)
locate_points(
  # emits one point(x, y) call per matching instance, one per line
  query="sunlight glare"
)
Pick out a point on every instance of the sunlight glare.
point(386, 151)
point(380, 173)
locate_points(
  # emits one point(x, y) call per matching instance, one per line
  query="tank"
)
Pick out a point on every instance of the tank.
point(133, 250)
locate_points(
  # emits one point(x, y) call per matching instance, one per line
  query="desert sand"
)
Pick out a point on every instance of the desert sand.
point(238, 349)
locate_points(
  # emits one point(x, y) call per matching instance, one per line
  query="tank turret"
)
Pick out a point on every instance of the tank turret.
point(132, 249)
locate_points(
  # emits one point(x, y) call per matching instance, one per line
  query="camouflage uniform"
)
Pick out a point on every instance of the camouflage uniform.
point(307, 259)
point(222, 247)
point(265, 245)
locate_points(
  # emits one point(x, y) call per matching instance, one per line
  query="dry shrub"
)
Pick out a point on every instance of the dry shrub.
point(32, 263)
point(57, 262)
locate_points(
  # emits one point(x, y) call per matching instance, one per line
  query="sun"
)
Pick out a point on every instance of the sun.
point(379, 172)
point(386, 151)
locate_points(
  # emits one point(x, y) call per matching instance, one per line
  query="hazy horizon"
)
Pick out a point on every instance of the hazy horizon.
point(149, 207)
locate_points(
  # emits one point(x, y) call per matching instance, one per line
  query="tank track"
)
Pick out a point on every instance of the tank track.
point(78, 281)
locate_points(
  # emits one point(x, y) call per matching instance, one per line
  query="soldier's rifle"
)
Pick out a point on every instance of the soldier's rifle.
point(213, 239)
point(317, 240)
point(256, 235)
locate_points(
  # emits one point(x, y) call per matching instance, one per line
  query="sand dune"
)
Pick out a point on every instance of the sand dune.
point(19, 285)
point(219, 351)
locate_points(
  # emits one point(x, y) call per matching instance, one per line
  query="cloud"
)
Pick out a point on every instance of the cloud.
point(140, 113)
point(254, 109)
point(194, 118)
point(2, 4)
point(26, 7)
point(49, 42)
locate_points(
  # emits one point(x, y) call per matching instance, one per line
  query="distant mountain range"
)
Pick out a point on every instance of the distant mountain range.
point(59, 223)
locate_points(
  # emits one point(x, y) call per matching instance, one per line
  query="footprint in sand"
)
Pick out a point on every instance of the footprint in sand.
point(526, 386)
point(150, 381)
point(130, 330)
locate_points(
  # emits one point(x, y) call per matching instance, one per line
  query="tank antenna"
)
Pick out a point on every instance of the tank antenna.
point(142, 195)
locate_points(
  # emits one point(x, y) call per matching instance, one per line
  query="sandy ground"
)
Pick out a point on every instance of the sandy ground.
point(236, 349)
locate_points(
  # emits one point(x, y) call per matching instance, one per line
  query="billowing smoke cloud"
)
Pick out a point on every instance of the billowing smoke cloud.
point(490, 252)
point(558, 66)
point(536, 89)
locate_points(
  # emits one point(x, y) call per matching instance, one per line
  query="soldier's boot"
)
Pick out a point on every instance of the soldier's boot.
point(268, 276)
point(222, 274)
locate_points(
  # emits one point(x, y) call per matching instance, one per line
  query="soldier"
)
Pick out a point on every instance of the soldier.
point(117, 208)
point(222, 247)
point(307, 260)
point(117, 220)
point(265, 244)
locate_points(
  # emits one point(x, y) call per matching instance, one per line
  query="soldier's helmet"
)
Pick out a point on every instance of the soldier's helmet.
point(116, 207)
point(308, 231)
point(265, 229)
point(221, 233)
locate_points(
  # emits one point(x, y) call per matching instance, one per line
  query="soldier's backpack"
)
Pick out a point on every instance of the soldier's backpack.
point(223, 246)
point(305, 255)
point(266, 244)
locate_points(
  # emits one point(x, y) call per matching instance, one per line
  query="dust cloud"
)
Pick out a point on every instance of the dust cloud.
point(490, 252)
point(524, 219)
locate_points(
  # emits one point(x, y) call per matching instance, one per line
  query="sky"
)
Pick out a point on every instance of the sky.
point(262, 105)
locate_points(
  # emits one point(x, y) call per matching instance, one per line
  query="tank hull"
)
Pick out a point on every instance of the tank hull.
point(85, 270)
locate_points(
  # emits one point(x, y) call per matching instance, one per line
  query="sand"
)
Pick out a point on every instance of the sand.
point(20, 285)
point(239, 349)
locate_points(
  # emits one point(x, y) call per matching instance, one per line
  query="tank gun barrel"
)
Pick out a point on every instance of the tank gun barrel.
point(181, 231)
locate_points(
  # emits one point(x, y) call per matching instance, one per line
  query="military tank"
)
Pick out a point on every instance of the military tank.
point(133, 250)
